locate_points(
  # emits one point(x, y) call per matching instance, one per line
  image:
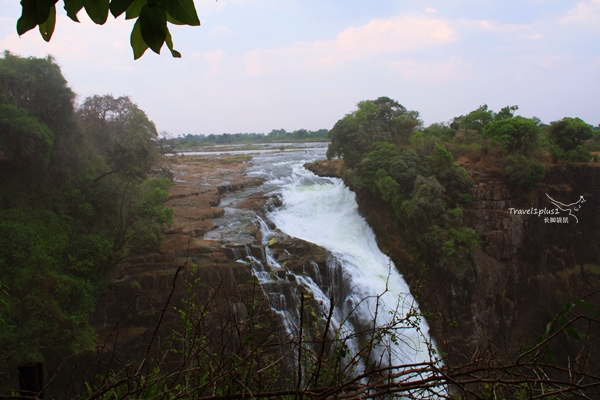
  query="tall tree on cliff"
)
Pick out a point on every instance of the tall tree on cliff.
point(568, 133)
point(35, 88)
point(516, 135)
point(380, 120)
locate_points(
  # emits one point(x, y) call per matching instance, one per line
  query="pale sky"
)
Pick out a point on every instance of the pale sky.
point(257, 65)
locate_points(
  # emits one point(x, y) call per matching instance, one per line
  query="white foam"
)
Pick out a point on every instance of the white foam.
point(326, 213)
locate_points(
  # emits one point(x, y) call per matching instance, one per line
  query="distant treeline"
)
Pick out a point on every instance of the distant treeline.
point(276, 135)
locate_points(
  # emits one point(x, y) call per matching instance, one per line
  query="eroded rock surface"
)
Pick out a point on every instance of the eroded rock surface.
point(144, 286)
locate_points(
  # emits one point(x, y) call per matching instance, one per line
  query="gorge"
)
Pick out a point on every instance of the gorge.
point(264, 229)
point(300, 235)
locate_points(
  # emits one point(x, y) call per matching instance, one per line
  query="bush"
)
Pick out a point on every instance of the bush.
point(376, 160)
point(578, 154)
point(405, 168)
point(425, 205)
point(455, 180)
point(387, 186)
point(556, 153)
point(524, 173)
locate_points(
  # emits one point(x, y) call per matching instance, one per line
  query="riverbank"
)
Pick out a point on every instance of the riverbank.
point(154, 281)
point(199, 184)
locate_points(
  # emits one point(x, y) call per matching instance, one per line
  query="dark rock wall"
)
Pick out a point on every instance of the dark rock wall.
point(524, 269)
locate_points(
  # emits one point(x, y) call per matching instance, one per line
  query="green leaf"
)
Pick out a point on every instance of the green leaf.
point(47, 28)
point(97, 10)
point(169, 42)
point(173, 21)
point(137, 42)
point(548, 328)
point(72, 7)
point(587, 305)
point(539, 340)
point(33, 13)
point(562, 320)
point(574, 334)
point(153, 25)
point(133, 11)
point(118, 7)
point(569, 306)
point(182, 10)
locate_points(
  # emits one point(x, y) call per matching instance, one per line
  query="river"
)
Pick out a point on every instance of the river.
point(368, 291)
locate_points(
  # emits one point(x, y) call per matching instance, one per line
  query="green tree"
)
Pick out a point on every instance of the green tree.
point(505, 113)
point(436, 231)
point(478, 119)
point(475, 120)
point(151, 28)
point(37, 86)
point(381, 120)
point(523, 173)
point(405, 168)
point(387, 186)
point(515, 135)
point(24, 142)
point(569, 134)
point(378, 159)
point(450, 175)
point(439, 129)
point(121, 133)
point(425, 205)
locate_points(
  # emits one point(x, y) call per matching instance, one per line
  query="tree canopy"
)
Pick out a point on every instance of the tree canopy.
point(478, 119)
point(76, 197)
point(151, 28)
point(516, 134)
point(380, 120)
point(568, 133)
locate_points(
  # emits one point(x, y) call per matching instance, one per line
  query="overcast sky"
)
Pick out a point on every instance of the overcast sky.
point(257, 65)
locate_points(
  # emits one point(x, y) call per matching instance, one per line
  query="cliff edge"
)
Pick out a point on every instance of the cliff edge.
point(533, 258)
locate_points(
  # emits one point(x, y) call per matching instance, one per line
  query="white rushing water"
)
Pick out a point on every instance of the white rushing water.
point(324, 211)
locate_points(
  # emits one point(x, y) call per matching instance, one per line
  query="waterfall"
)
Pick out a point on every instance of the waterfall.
point(369, 292)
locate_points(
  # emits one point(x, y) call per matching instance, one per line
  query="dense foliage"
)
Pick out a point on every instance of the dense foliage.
point(567, 137)
point(381, 120)
point(388, 153)
point(150, 30)
point(76, 197)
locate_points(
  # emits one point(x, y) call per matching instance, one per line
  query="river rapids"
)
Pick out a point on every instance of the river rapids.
point(368, 291)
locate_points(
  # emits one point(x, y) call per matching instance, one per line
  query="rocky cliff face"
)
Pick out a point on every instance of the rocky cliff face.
point(139, 311)
point(525, 266)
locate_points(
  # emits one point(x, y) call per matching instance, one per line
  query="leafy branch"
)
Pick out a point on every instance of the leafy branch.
point(151, 28)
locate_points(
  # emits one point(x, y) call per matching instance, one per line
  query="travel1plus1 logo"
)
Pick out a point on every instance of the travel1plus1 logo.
point(558, 215)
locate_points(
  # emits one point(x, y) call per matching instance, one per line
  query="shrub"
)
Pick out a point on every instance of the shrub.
point(524, 173)
point(455, 180)
point(578, 154)
point(387, 186)
point(405, 168)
